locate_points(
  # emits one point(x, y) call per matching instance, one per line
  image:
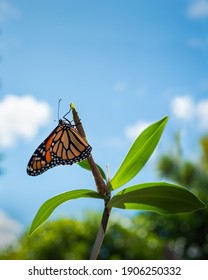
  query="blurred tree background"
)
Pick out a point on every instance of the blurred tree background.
point(146, 236)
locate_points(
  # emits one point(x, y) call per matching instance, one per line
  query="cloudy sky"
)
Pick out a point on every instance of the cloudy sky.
point(124, 64)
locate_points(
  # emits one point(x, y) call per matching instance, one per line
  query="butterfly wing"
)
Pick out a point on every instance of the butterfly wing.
point(63, 146)
point(41, 160)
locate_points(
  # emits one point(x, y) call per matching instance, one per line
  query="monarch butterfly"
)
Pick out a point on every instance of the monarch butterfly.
point(64, 145)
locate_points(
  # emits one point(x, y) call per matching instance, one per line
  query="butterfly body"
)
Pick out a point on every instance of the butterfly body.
point(63, 146)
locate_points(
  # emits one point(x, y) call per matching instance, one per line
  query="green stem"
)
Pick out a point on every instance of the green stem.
point(100, 235)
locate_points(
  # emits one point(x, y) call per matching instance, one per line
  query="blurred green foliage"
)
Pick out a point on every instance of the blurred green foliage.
point(186, 235)
point(69, 239)
point(148, 235)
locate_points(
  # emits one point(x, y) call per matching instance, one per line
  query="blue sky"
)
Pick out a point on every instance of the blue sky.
point(124, 64)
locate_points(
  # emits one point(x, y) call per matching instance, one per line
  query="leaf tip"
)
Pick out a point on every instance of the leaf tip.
point(165, 119)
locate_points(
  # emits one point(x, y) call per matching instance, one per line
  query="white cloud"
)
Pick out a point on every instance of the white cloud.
point(202, 113)
point(183, 107)
point(198, 9)
point(8, 11)
point(21, 117)
point(132, 131)
point(186, 109)
point(9, 230)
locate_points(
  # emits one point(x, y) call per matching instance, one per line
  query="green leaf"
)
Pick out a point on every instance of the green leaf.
point(139, 153)
point(157, 196)
point(84, 164)
point(49, 206)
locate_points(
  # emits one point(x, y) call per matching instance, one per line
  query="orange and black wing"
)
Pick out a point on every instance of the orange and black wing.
point(63, 146)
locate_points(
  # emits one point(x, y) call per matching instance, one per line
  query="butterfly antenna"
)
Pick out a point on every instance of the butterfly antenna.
point(64, 117)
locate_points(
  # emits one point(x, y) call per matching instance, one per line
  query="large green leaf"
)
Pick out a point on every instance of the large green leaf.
point(139, 153)
point(84, 164)
point(49, 206)
point(157, 196)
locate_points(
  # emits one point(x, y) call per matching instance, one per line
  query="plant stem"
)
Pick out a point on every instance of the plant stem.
point(100, 184)
point(100, 235)
point(101, 188)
